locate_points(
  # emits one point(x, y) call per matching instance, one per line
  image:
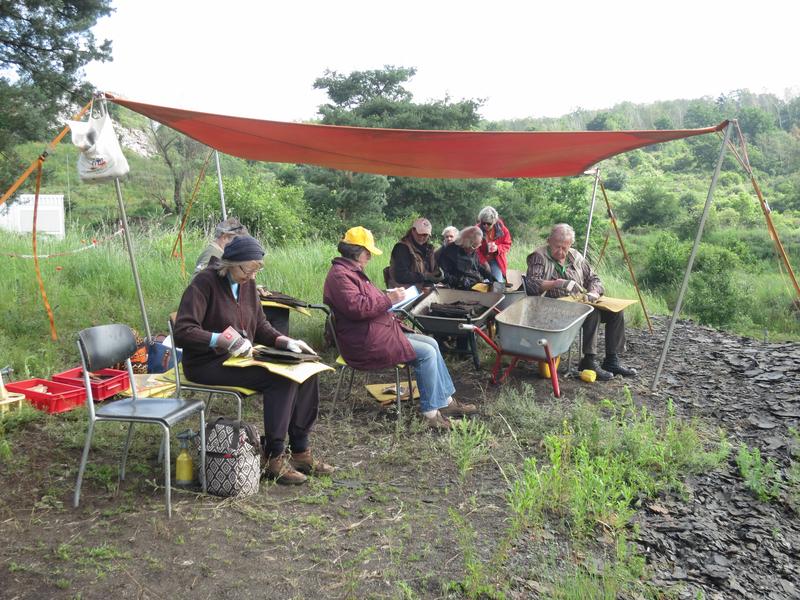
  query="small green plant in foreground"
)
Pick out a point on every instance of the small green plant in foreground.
point(760, 475)
point(615, 578)
point(793, 474)
point(477, 582)
point(466, 442)
point(602, 460)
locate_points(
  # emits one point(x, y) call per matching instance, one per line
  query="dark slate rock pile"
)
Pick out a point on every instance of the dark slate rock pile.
point(722, 541)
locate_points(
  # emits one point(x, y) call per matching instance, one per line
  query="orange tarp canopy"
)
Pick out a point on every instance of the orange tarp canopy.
point(408, 152)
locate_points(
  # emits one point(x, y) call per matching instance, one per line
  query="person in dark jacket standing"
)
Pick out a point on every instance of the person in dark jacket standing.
point(224, 295)
point(371, 337)
point(412, 261)
point(460, 263)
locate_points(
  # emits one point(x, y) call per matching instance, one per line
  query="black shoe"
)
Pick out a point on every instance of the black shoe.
point(589, 362)
point(611, 364)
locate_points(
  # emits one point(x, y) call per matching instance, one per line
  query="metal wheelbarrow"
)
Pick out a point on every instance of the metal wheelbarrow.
point(430, 324)
point(534, 328)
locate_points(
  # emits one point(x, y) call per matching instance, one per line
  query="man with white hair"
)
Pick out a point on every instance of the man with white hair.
point(556, 270)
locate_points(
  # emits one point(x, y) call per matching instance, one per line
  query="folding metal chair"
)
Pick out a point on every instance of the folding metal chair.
point(181, 383)
point(330, 324)
point(106, 345)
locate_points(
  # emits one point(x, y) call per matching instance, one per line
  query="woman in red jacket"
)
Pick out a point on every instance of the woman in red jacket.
point(371, 337)
point(496, 242)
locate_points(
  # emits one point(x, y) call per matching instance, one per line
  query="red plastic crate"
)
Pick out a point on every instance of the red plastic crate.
point(60, 397)
point(107, 382)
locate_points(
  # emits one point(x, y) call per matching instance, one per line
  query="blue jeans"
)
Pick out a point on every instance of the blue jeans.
point(497, 274)
point(433, 378)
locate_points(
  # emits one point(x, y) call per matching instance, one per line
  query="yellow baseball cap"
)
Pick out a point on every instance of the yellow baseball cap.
point(359, 236)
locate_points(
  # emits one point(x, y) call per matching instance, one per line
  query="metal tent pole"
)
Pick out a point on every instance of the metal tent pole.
point(697, 239)
point(591, 212)
point(221, 190)
point(585, 250)
point(134, 270)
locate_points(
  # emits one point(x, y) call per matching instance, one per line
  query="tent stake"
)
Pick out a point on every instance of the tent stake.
point(221, 191)
point(134, 270)
point(697, 239)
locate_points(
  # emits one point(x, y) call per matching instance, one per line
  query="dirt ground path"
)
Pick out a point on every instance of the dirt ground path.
point(383, 526)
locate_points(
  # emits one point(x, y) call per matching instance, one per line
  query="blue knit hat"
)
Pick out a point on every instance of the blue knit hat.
point(242, 249)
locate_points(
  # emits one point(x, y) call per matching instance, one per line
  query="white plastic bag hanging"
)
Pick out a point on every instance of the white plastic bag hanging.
point(101, 157)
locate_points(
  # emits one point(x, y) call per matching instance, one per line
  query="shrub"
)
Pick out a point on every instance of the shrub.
point(271, 211)
point(666, 260)
point(653, 204)
point(713, 298)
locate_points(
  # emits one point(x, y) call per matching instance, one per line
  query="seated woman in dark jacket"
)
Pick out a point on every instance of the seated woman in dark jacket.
point(223, 295)
point(460, 262)
point(370, 337)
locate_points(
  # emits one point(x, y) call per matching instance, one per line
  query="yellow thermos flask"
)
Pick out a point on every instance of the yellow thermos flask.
point(184, 467)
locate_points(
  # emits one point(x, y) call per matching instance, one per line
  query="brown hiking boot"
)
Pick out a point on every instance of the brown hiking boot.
point(307, 464)
point(438, 422)
point(280, 469)
point(458, 409)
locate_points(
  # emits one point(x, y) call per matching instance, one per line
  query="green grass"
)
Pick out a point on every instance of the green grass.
point(603, 459)
point(467, 443)
point(760, 475)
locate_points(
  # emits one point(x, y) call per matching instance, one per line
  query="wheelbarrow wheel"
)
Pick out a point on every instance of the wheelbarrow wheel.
point(473, 344)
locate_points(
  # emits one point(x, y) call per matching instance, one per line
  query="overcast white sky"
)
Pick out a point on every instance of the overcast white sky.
point(526, 58)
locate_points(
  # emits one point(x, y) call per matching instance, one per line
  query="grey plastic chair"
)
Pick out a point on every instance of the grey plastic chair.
point(106, 345)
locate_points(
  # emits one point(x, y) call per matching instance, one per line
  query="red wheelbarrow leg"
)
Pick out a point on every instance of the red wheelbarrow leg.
point(552, 363)
point(508, 370)
point(499, 358)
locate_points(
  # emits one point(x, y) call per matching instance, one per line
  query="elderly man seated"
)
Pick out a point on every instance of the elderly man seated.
point(555, 270)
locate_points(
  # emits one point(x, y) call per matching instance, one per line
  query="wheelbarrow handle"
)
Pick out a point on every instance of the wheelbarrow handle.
point(480, 332)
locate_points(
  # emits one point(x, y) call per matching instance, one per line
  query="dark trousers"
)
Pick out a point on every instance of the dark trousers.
point(615, 331)
point(289, 408)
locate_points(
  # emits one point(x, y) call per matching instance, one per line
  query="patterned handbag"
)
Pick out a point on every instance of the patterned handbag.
point(233, 458)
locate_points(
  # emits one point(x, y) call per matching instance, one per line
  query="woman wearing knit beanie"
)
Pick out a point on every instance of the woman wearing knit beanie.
point(224, 295)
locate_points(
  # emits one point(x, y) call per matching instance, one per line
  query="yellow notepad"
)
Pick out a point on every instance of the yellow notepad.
point(605, 303)
point(297, 372)
point(385, 392)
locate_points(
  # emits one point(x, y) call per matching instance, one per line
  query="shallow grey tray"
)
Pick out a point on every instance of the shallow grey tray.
point(449, 325)
point(524, 323)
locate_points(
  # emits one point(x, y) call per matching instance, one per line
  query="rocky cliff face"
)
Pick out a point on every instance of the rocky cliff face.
point(135, 140)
